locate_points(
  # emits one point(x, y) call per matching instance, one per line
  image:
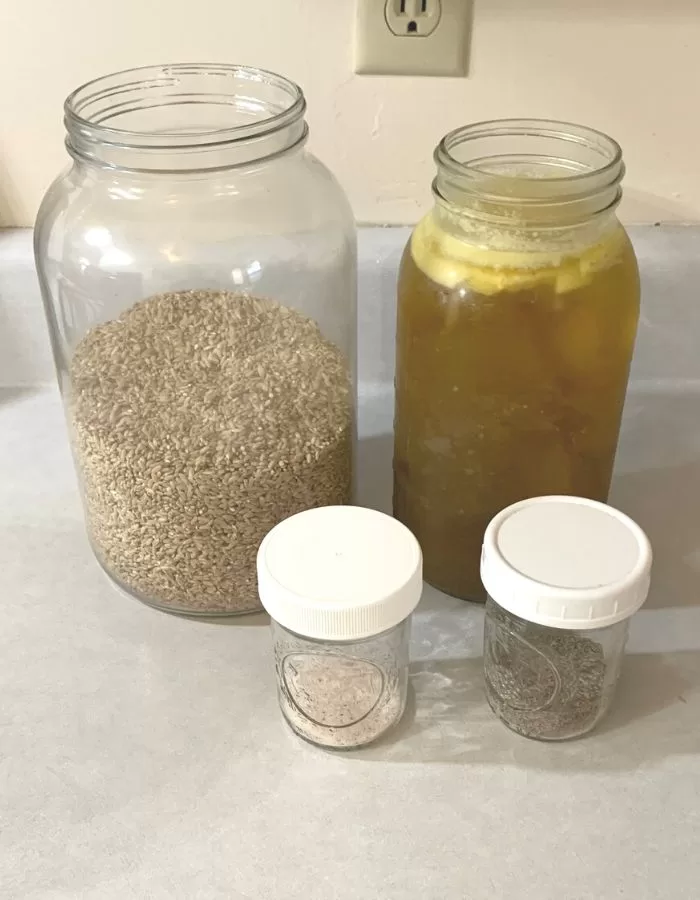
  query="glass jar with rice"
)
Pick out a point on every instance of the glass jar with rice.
point(198, 270)
point(518, 301)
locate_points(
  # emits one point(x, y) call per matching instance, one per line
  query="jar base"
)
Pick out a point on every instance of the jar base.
point(540, 738)
point(340, 748)
point(130, 594)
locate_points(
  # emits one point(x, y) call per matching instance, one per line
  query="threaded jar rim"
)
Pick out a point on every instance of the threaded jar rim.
point(135, 114)
point(510, 170)
point(566, 562)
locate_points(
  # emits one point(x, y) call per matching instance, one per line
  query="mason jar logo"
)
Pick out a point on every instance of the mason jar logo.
point(331, 690)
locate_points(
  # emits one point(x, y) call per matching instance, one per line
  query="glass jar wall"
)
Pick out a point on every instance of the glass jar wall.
point(547, 683)
point(342, 694)
point(198, 270)
point(518, 301)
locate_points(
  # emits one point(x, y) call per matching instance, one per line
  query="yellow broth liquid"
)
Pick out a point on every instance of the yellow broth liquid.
point(513, 392)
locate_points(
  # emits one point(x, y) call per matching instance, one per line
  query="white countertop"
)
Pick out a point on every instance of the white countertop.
point(143, 755)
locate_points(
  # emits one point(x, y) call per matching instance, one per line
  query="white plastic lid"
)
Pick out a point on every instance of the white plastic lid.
point(566, 562)
point(340, 573)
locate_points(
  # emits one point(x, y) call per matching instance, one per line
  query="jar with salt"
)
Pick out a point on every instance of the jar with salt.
point(563, 577)
point(340, 584)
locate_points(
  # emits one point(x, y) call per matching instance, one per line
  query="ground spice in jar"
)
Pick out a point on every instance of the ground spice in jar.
point(200, 419)
point(339, 701)
point(340, 585)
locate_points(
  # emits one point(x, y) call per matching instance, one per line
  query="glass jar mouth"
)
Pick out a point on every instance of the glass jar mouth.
point(554, 169)
point(182, 108)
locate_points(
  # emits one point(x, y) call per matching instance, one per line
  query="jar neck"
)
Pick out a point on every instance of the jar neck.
point(184, 119)
point(530, 176)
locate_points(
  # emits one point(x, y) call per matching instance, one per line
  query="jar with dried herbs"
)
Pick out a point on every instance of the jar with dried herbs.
point(198, 271)
point(563, 576)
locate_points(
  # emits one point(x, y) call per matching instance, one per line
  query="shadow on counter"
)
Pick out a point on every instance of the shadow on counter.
point(375, 476)
point(658, 484)
point(449, 721)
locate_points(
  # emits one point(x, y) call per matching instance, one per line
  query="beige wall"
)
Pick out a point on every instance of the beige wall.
point(629, 67)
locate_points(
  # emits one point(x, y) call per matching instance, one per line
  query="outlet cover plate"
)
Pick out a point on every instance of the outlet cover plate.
point(379, 51)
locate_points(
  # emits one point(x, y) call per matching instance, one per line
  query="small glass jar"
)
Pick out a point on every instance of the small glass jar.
point(340, 584)
point(518, 300)
point(197, 266)
point(563, 576)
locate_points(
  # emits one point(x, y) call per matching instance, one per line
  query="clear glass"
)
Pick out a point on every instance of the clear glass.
point(548, 683)
point(518, 300)
point(198, 265)
point(342, 694)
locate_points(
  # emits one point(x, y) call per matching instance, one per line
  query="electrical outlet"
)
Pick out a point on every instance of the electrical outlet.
point(412, 37)
point(412, 18)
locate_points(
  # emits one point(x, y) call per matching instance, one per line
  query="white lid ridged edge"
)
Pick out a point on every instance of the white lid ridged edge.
point(364, 613)
point(561, 607)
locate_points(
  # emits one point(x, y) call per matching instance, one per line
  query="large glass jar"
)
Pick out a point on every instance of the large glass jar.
point(198, 270)
point(518, 301)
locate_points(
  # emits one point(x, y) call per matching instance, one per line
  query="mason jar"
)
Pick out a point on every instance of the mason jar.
point(198, 270)
point(518, 300)
point(564, 575)
point(340, 585)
